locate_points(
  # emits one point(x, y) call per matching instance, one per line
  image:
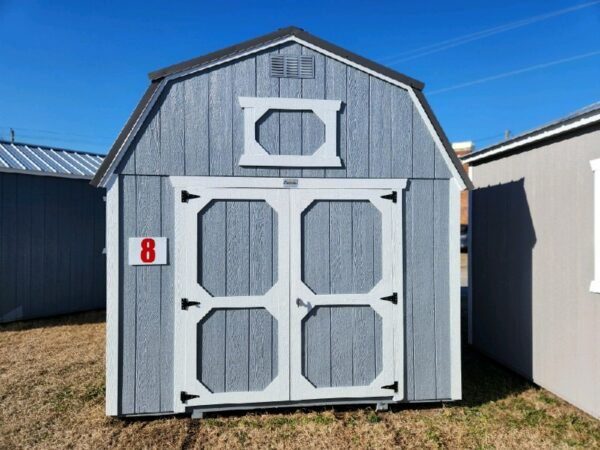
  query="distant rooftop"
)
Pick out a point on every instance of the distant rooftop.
point(36, 159)
point(582, 117)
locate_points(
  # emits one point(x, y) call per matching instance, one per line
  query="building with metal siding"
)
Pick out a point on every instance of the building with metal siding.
point(323, 271)
point(534, 305)
point(52, 226)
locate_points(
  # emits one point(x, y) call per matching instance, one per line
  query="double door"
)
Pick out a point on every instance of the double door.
point(286, 294)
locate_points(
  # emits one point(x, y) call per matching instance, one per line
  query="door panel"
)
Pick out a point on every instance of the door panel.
point(340, 270)
point(236, 336)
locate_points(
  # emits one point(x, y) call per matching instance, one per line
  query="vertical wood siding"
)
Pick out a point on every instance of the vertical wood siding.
point(51, 241)
point(380, 134)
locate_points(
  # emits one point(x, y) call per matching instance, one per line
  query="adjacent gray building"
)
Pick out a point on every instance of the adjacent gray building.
point(535, 256)
point(51, 232)
point(282, 229)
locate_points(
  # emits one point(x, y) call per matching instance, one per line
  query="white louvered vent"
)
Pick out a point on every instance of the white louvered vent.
point(289, 66)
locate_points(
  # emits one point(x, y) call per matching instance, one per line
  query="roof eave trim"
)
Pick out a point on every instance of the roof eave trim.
point(256, 43)
point(112, 158)
point(541, 135)
point(40, 173)
point(452, 160)
point(153, 92)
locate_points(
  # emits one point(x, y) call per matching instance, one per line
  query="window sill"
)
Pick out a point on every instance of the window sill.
point(289, 161)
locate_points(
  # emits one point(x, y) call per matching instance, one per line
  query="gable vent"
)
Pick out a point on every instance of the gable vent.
point(287, 66)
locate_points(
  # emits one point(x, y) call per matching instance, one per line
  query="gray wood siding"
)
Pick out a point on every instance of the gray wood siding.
point(346, 236)
point(380, 135)
point(341, 346)
point(51, 241)
point(426, 292)
point(148, 372)
point(532, 263)
point(196, 128)
point(237, 350)
point(236, 247)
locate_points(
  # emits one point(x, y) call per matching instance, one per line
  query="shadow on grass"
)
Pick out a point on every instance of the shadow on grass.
point(485, 381)
point(88, 317)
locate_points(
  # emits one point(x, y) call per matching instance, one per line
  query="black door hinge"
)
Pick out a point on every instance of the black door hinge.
point(185, 196)
point(185, 303)
point(393, 386)
point(393, 196)
point(391, 298)
point(184, 396)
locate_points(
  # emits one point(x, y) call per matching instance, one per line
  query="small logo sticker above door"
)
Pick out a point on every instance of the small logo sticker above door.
point(147, 251)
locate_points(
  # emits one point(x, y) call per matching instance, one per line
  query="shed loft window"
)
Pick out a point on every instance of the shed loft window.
point(256, 155)
point(290, 66)
point(595, 285)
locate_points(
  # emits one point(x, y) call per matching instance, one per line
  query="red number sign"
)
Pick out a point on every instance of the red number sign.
point(147, 254)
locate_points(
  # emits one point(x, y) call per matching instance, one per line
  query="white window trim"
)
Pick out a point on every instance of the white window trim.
point(256, 155)
point(595, 284)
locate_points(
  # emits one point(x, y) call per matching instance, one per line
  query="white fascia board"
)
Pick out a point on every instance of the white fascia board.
point(534, 138)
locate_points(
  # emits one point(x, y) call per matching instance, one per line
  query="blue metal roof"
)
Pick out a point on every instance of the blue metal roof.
point(41, 160)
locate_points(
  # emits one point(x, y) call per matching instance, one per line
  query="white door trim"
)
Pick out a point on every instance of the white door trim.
point(186, 286)
point(184, 182)
point(259, 185)
point(391, 281)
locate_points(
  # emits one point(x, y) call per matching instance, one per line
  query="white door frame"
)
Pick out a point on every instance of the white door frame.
point(279, 389)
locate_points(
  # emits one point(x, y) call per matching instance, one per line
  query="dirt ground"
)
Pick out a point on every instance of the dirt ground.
point(52, 396)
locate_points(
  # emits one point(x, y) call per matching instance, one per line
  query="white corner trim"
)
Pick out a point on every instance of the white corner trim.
point(454, 260)
point(534, 138)
point(470, 264)
point(112, 297)
point(256, 155)
point(595, 284)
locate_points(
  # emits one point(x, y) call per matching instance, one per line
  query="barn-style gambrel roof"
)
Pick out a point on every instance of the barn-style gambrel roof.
point(159, 78)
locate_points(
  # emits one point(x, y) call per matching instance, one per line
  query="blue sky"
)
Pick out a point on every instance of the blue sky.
point(72, 71)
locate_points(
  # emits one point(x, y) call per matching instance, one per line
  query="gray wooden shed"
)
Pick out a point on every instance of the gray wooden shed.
point(283, 229)
point(535, 256)
point(51, 232)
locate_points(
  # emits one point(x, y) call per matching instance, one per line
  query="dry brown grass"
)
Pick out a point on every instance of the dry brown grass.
point(52, 387)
